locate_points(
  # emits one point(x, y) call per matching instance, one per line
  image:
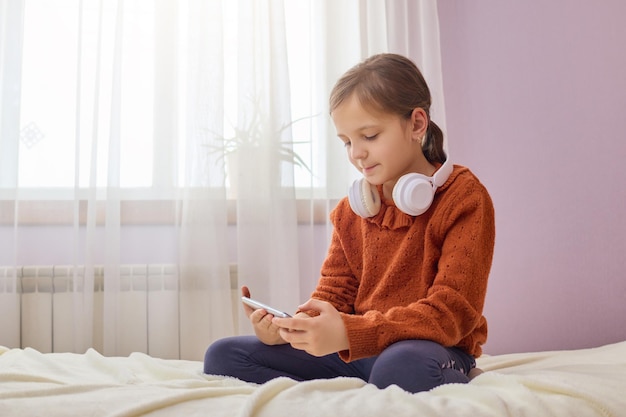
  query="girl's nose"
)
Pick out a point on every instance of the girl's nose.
point(357, 151)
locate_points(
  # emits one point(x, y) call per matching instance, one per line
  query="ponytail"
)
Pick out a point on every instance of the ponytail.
point(433, 144)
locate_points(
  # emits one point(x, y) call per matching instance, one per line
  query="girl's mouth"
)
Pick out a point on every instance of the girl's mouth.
point(368, 170)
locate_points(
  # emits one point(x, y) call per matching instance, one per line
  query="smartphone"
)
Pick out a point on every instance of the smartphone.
point(256, 304)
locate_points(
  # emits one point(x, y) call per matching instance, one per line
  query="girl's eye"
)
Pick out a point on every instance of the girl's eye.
point(346, 143)
point(371, 137)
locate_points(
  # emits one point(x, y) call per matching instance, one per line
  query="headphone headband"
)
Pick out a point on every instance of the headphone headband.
point(443, 173)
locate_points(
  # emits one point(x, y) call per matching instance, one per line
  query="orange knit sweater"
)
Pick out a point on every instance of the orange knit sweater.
point(396, 277)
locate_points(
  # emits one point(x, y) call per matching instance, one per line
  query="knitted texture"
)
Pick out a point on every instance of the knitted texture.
point(396, 277)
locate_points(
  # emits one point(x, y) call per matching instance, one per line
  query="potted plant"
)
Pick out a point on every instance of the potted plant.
point(256, 144)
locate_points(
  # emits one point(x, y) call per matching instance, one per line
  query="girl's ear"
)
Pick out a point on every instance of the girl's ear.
point(419, 123)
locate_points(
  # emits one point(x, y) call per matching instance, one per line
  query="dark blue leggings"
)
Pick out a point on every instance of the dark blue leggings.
point(413, 365)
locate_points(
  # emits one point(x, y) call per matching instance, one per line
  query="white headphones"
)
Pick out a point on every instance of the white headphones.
point(413, 193)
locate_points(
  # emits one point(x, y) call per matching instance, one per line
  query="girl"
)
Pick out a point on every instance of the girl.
point(402, 289)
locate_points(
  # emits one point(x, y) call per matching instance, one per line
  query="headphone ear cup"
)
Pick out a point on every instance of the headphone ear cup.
point(413, 194)
point(364, 198)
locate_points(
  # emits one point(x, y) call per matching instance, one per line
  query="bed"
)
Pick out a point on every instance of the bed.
point(585, 382)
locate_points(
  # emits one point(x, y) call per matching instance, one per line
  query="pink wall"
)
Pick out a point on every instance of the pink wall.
point(535, 94)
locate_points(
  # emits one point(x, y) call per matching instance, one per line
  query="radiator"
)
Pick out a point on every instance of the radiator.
point(37, 308)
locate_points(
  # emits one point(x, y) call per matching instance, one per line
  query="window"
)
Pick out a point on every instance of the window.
point(66, 138)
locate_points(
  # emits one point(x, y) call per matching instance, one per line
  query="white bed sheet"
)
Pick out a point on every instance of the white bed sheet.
point(586, 382)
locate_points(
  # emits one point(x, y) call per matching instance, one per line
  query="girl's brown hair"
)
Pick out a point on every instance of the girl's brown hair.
point(391, 83)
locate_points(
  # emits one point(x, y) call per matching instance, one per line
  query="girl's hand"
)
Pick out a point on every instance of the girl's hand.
point(261, 320)
point(319, 335)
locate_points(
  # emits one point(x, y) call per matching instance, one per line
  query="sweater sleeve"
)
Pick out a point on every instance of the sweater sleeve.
point(338, 284)
point(451, 312)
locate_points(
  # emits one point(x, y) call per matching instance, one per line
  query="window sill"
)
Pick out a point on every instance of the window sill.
point(132, 212)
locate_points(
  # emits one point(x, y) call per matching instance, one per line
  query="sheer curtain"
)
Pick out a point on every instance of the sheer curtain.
point(147, 146)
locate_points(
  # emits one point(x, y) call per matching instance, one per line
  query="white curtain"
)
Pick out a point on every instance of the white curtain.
point(147, 146)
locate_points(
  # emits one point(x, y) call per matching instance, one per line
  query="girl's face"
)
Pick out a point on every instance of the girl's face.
point(382, 146)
